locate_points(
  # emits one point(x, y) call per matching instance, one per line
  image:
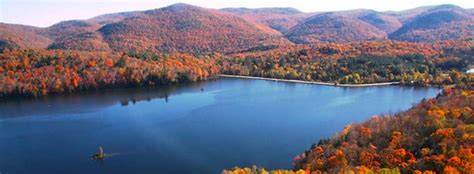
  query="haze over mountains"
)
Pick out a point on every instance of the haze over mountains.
point(187, 28)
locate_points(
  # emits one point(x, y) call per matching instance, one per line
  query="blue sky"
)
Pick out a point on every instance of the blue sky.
point(44, 13)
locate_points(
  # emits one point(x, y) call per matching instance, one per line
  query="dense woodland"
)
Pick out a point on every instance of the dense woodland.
point(368, 62)
point(39, 72)
point(436, 135)
point(42, 72)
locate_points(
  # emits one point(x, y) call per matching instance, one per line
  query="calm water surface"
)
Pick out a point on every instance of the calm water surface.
point(197, 128)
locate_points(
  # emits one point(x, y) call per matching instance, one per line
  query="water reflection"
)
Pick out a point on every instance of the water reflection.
point(91, 101)
point(195, 128)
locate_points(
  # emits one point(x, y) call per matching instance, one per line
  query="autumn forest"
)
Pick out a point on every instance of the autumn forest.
point(425, 47)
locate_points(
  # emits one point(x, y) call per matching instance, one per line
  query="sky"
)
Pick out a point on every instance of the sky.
point(44, 13)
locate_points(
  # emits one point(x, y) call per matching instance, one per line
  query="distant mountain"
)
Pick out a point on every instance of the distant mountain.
point(179, 27)
point(69, 28)
point(76, 35)
point(333, 27)
point(407, 15)
point(63, 35)
point(385, 22)
point(187, 28)
point(423, 24)
point(114, 17)
point(20, 36)
point(444, 22)
point(83, 41)
point(280, 19)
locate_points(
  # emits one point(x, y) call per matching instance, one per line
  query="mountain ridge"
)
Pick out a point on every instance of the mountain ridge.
point(237, 29)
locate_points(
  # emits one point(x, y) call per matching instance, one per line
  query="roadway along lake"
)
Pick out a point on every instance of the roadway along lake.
point(195, 128)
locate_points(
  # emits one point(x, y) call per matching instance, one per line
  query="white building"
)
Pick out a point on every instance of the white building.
point(470, 71)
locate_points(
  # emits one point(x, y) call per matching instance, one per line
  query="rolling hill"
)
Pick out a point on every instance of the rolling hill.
point(83, 41)
point(69, 28)
point(186, 28)
point(333, 27)
point(114, 17)
point(440, 23)
point(21, 36)
point(423, 24)
point(76, 35)
point(280, 19)
point(180, 27)
point(385, 22)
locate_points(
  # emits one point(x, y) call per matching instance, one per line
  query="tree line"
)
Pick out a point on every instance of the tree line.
point(369, 62)
point(43, 72)
point(436, 135)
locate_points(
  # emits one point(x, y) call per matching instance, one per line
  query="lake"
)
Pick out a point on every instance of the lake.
point(195, 128)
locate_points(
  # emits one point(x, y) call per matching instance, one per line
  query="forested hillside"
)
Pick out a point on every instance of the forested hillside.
point(39, 72)
point(280, 19)
point(333, 27)
point(368, 62)
point(20, 36)
point(435, 136)
point(185, 28)
point(442, 23)
point(177, 28)
point(192, 29)
point(385, 22)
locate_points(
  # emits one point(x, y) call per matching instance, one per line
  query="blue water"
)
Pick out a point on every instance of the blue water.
point(196, 128)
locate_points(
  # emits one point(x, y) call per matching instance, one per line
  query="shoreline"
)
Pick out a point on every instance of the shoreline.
point(311, 82)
